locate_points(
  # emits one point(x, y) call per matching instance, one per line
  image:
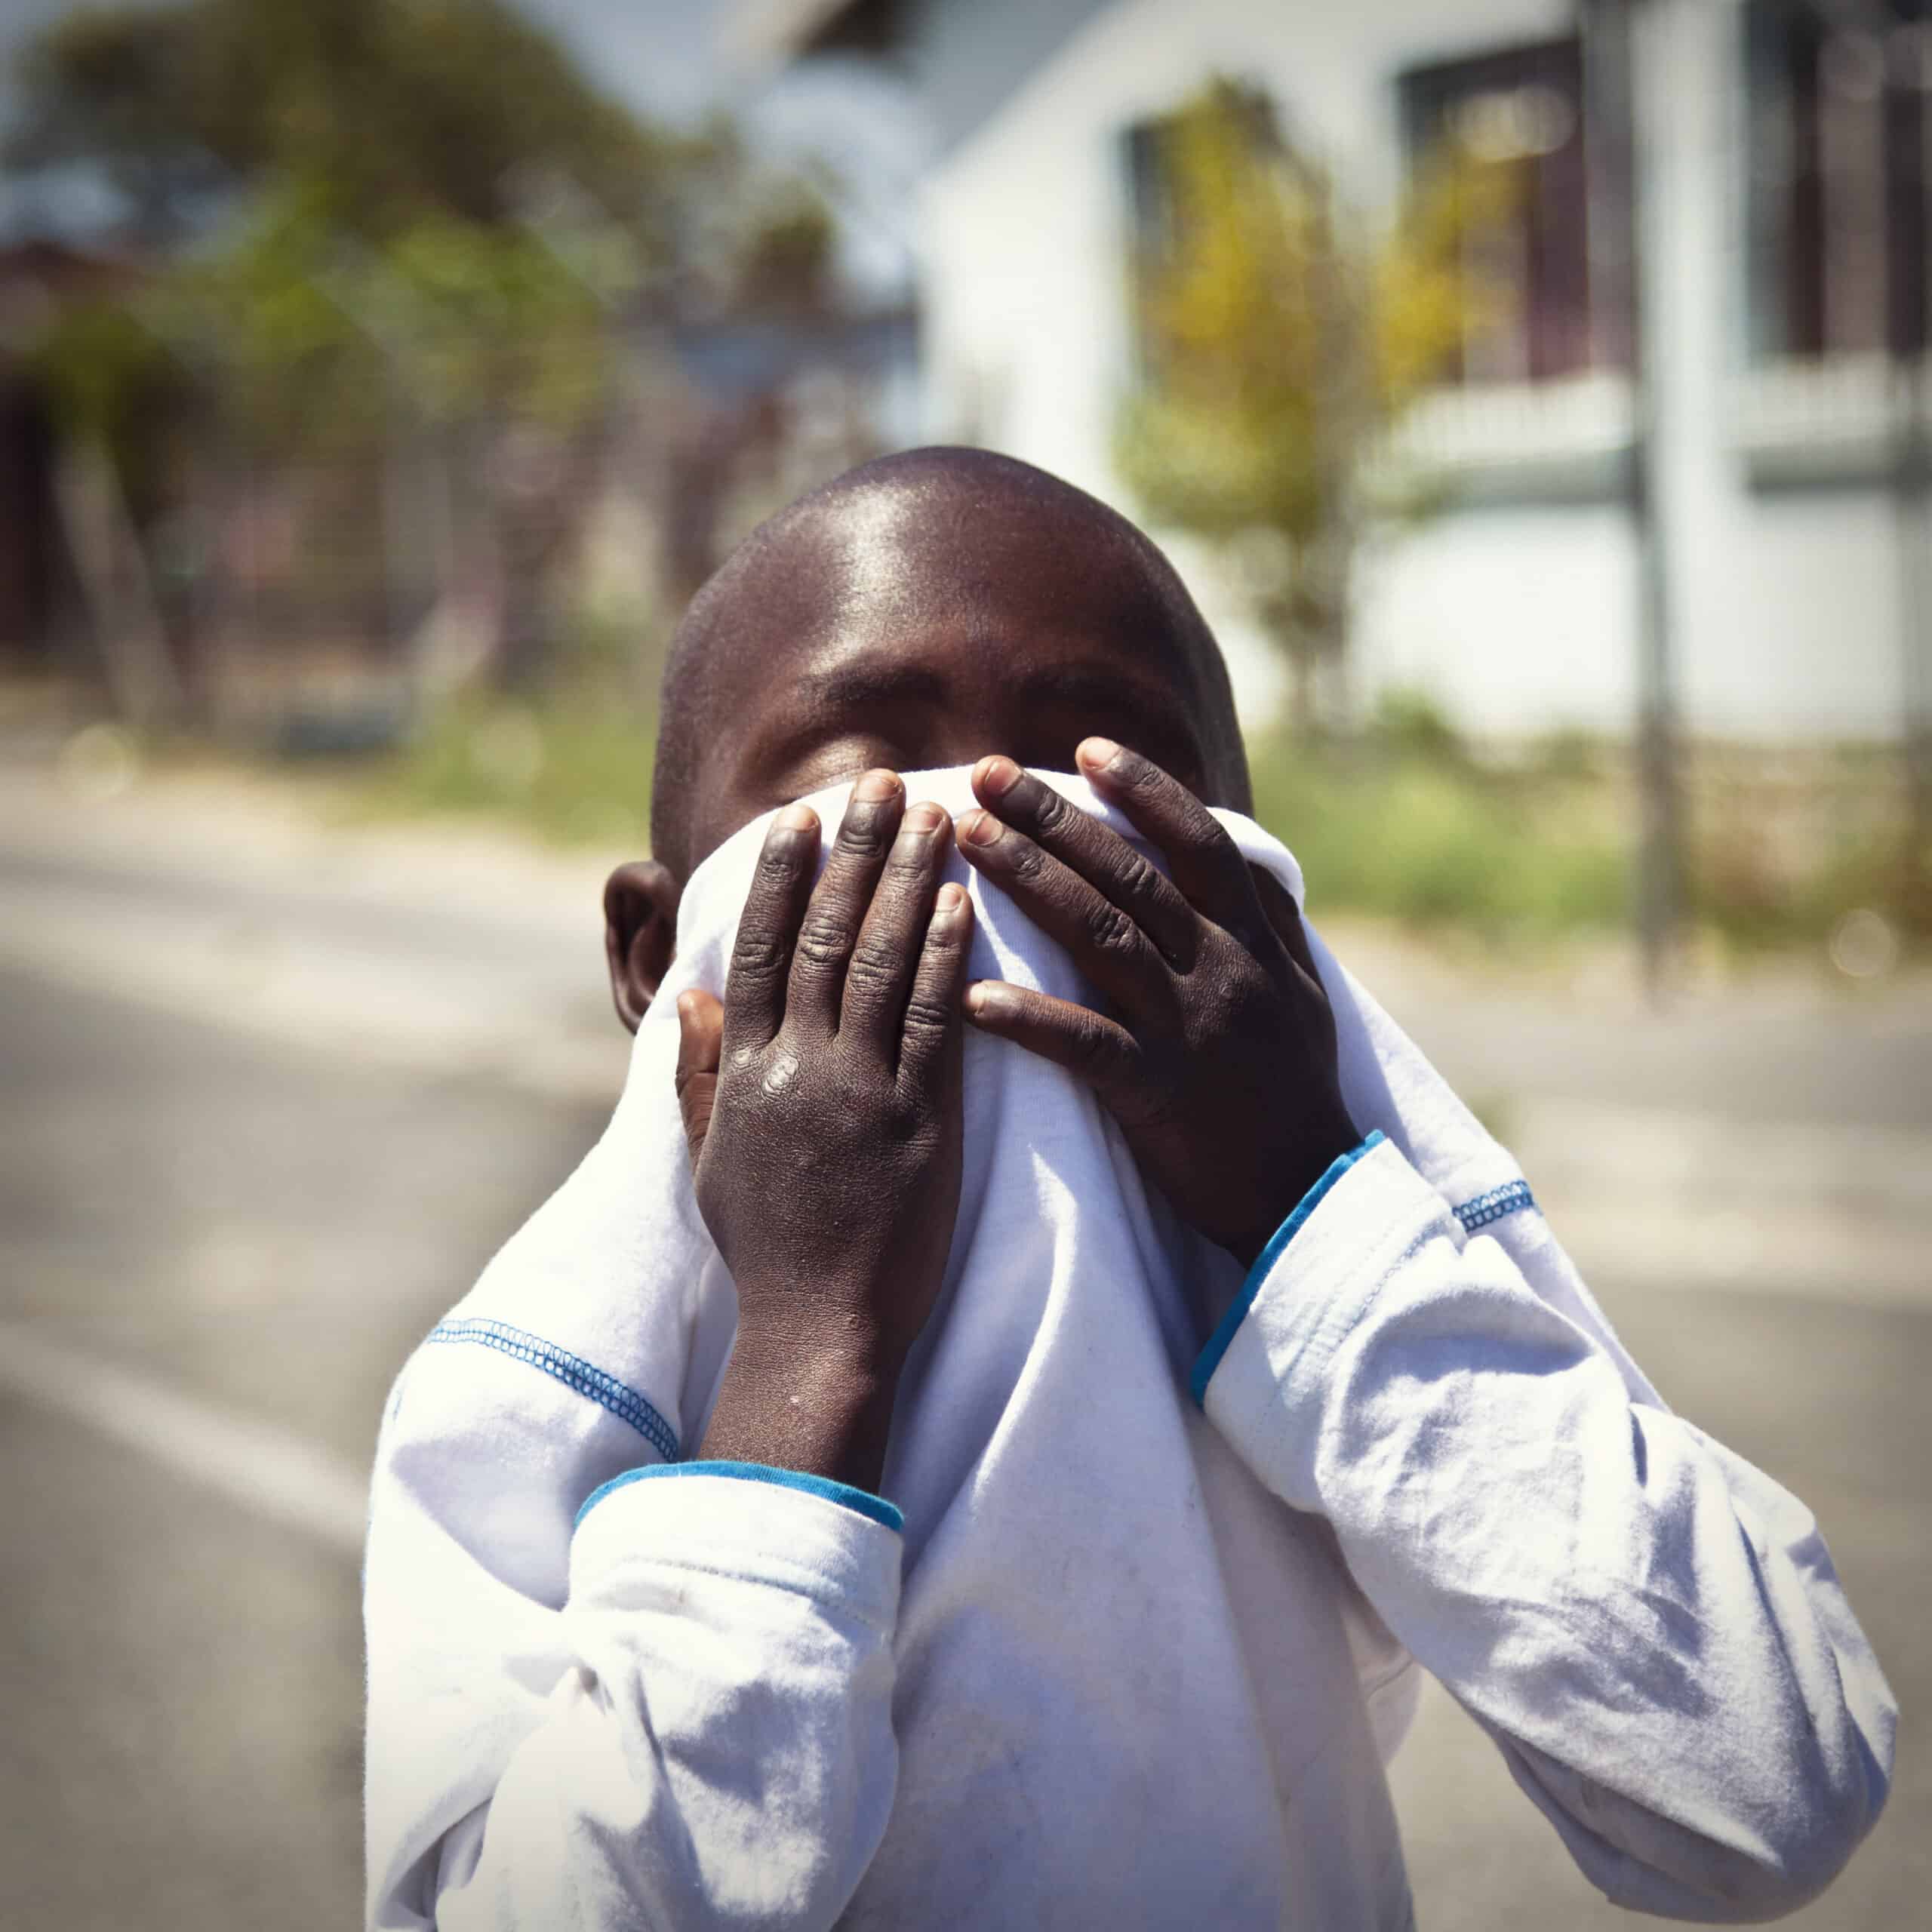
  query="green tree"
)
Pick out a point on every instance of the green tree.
point(1280, 337)
point(407, 234)
point(426, 194)
point(400, 106)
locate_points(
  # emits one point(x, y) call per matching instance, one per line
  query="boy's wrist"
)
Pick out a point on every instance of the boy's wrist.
point(1311, 1158)
point(796, 1401)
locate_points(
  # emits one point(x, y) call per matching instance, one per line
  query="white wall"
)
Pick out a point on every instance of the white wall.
point(1784, 608)
point(1520, 618)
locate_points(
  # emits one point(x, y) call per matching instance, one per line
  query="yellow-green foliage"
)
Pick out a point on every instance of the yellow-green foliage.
point(1280, 335)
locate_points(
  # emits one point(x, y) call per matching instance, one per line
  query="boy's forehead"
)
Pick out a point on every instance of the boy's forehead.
point(887, 577)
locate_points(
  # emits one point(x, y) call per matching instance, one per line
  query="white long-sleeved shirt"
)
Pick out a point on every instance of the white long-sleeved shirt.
point(710, 1730)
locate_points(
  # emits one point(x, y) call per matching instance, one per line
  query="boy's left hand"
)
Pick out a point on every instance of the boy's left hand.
point(1217, 1057)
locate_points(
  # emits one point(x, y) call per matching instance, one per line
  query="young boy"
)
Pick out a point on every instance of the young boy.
point(1115, 1653)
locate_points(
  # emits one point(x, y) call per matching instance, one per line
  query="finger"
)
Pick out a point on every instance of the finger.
point(1089, 1045)
point(1106, 943)
point(840, 901)
point(887, 952)
point(700, 1044)
point(1284, 916)
point(933, 1029)
point(1203, 861)
point(767, 930)
point(1099, 854)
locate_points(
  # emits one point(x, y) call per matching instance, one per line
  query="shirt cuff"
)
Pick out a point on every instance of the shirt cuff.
point(1209, 1358)
point(1269, 1395)
point(772, 1526)
point(863, 1500)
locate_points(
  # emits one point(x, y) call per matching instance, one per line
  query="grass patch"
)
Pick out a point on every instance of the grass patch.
point(575, 769)
point(1405, 823)
point(1433, 839)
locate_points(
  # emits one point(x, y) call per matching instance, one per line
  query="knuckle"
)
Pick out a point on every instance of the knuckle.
point(1136, 876)
point(1092, 1041)
point(1100, 1060)
point(777, 864)
point(873, 967)
point(756, 955)
point(1028, 861)
point(926, 1014)
point(1110, 930)
point(865, 835)
point(825, 939)
point(1051, 812)
point(1208, 837)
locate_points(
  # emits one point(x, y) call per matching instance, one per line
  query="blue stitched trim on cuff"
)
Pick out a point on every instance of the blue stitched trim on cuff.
point(1209, 1358)
point(586, 1378)
point(863, 1500)
point(1493, 1205)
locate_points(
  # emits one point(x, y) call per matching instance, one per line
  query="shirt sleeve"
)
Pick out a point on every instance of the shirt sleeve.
point(1649, 1628)
point(700, 1736)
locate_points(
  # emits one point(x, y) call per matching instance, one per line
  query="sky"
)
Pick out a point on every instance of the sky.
point(858, 129)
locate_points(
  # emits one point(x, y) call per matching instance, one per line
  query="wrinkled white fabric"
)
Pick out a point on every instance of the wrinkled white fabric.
point(1108, 1676)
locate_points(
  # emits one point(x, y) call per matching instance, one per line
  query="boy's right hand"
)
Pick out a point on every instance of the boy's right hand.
point(821, 1108)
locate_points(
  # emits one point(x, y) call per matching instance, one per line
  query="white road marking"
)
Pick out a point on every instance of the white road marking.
point(277, 1476)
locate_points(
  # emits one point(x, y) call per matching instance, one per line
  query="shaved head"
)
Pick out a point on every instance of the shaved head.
point(918, 611)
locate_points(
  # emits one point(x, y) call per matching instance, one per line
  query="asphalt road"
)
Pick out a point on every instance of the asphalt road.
point(266, 1229)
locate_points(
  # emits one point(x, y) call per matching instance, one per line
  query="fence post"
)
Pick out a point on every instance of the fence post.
point(1620, 220)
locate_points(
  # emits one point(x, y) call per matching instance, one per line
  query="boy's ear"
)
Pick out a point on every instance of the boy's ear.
point(640, 934)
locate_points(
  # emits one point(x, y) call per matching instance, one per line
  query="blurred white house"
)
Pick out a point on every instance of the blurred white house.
point(1782, 150)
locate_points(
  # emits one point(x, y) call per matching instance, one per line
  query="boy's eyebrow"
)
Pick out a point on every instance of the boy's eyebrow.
point(1095, 687)
point(857, 686)
point(881, 683)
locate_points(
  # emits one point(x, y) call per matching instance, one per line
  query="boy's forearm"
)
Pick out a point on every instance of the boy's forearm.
point(595, 1763)
point(798, 1400)
point(1651, 1626)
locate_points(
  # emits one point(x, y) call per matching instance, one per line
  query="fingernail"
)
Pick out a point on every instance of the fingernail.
point(981, 829)
point(999, 776)
point(980, 997)
point(951, 898)
point(796, 818)
point(876, 787)
point(921, 818)
point(1096, 754)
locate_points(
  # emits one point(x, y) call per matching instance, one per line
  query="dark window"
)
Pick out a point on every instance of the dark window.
point(1839, 134)
point(1523, 107)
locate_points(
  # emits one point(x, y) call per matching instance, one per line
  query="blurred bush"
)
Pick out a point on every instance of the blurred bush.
point(573, 768)
point(1408, 822)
